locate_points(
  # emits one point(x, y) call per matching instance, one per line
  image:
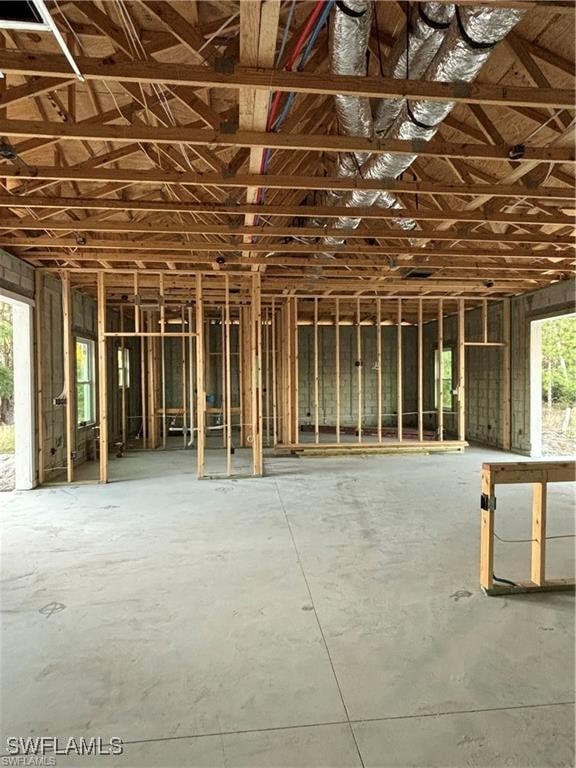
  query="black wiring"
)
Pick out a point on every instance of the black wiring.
point(504, 581)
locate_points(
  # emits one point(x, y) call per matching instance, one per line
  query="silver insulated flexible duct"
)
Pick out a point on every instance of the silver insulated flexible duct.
point(466, 47)
point(349, 36)
point(410, 55)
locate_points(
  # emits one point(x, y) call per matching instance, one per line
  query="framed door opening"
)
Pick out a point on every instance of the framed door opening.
point(553, 386)
point(17, 313)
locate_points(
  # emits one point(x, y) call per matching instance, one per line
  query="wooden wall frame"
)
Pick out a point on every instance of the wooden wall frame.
point(539, 473)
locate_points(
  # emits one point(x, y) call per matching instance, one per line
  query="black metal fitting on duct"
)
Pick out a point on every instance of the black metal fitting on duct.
point(474, 44)
point(349, 11)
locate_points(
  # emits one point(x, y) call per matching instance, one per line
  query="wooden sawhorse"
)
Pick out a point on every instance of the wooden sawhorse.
point(539, 473)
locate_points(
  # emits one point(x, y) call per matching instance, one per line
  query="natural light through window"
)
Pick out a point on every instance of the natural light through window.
point(123, 360)
point(447, 377)
point(85, 381)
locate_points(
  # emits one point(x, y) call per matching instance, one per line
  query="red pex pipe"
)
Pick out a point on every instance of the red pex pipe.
point(304, 35)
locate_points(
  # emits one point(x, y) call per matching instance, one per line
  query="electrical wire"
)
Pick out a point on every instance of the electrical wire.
point(305, 43)
point(526, 541)
point(286, 32)
point(504, 581)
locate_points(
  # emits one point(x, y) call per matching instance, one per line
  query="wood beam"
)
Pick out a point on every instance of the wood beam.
point(480, 215)
point(91, 225)
point(260, 139)
point(190, 178)
point(22, 62)
point(188, 249)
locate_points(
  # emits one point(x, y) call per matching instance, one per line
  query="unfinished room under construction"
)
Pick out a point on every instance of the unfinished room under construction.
point(290, 436)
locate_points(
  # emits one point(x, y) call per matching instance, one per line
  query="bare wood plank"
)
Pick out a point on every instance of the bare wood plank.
point(487, 533)
point(440, 370)
point(258, 139)
point(204, 246)
point(375, 230)
point(532, 472)
point(102, 380)
point(191, 379)
point(538, 562)
point(123, 422)
point(360, 394)
point(337, 353)
point(38, 323)
point(228, 377)
point(163, 361)
point(69, 378)
point(506, 379)
point(316, 388)
point(346, 184)
point(399, 373)
point(200, 379)
point(379, 368)
point(22, 62)
point(274, 376)
point(183, 372)
point(461, 371)
point(256, 355)
point(478, 215)
point(420, 373)
point(296, 372)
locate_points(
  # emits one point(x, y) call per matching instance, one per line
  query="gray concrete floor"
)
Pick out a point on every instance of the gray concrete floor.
point(326, 615)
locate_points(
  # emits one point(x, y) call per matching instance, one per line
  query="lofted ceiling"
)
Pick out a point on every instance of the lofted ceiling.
point(154, 159)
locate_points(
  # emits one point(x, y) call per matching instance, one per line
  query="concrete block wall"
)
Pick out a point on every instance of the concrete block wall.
point(349, 375)
point(554, 300)
point(15, 275)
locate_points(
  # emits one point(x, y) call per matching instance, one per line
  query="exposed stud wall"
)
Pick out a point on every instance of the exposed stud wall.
point(83, 325)
point(349, 375)
point(484, 365)
point(484, 376)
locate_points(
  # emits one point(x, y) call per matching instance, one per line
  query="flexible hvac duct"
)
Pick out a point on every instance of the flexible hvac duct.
point(411, 55)
point(349, 35)
point(468, 44)
point(349, 42)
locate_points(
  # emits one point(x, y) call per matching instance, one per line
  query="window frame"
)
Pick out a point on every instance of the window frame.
point(123, 367)
point(452, 350)
point(89, 382)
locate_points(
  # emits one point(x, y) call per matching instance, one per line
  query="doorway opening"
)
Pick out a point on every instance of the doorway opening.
point(17, 464)
point(553, 386)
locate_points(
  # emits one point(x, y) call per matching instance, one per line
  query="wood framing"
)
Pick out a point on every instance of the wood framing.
point(27, 63)
point(539, 474)
point(39, 341)
point(102, 379)
point(192, 182)
point(69, 375)
point(399, 374)
point(200, 380)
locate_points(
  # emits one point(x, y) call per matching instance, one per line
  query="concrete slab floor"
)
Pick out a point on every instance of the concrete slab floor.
point(326, 615)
